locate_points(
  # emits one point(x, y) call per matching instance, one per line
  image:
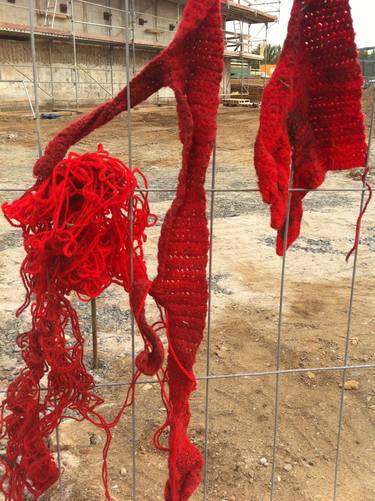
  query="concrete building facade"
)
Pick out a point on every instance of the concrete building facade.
point(80, 45)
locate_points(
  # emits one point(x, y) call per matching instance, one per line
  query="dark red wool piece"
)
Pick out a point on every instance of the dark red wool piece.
point(311, 110)
point(192, 66)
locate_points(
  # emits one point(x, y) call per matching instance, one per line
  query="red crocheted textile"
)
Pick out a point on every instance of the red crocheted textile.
point(311, 110)
point(86, 246)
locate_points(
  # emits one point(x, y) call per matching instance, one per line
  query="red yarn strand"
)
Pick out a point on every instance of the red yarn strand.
point(76, 231)
point(362, 213)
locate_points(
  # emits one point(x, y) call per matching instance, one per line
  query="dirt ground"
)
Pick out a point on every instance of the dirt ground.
point(245, 301)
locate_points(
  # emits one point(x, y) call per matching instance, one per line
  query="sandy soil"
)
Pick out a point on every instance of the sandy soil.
point(245, 299)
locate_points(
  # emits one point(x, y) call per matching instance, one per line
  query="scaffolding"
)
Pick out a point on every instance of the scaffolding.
point(367, 65)
point(249, 72)
point(82, 23)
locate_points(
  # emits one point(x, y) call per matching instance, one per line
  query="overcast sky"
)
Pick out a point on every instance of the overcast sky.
point(363, 12)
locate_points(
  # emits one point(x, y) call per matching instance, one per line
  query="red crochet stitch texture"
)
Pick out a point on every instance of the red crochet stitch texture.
point(192, 66)
point(311, 110)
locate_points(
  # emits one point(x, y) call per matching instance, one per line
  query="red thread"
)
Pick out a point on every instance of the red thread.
point(359, 219)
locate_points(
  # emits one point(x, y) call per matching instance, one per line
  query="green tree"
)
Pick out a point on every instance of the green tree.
point(366, 54)
point(271, 52)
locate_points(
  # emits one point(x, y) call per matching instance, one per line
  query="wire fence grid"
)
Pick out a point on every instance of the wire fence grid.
point(129, 11)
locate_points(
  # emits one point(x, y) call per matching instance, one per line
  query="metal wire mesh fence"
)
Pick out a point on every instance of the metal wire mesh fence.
point(209, 374)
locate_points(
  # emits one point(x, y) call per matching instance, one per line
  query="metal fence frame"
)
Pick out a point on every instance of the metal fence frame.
point(209, 376)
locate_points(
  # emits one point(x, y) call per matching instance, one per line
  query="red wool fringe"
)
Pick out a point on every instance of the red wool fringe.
point(77, 238)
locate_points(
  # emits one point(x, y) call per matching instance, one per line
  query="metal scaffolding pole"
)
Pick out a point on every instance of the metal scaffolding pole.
point(35, 79)
point(75, 70)
point(265, 56)
point(242, 59)
point(28, 98)
point(132, 4)
point(51, 73)
point(111, 68)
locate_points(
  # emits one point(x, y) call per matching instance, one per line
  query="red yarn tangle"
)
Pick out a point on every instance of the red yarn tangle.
point(77, 235)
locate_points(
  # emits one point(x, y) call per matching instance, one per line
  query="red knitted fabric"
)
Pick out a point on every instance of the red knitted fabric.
point(192, 66)
point(311, 110)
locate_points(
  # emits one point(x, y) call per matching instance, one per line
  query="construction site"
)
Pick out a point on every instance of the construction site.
point(311, 345)
point(81, 56)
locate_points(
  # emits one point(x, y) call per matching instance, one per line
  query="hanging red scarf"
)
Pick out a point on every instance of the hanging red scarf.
point(311, 110)
point(77, 239)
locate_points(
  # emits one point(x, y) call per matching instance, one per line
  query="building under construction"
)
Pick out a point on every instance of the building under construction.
point(80, 46)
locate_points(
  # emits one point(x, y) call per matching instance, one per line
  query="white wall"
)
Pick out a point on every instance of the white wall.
point(93, 64)
point(89, 19)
